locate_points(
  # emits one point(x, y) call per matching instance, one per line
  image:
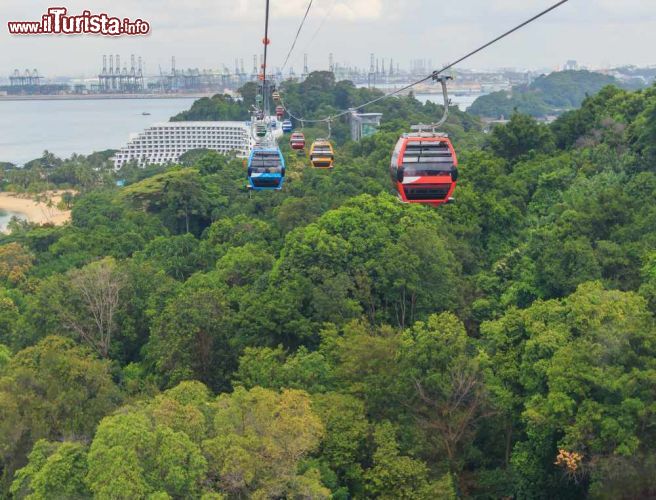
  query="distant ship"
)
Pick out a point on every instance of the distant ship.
point(146, 113)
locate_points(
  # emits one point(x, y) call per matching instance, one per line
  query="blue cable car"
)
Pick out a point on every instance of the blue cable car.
point(266, 169)
point(287, 126)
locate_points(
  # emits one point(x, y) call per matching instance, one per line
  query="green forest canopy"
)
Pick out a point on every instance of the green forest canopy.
point(328, 341)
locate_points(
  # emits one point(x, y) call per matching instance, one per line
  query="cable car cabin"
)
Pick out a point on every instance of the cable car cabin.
point(287, 126)
point(280, 112)
point(260, 129)
point(297, 141)
point(424, 168)
point(322, 154)
point(276, 96)
point(266, 169)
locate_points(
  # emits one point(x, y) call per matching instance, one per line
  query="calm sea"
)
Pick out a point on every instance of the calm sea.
point(462, 101)
point(27, 128)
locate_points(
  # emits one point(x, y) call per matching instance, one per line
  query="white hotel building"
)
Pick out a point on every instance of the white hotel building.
point(165, 142)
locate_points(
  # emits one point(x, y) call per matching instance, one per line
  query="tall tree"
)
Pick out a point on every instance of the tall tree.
point(96, 291)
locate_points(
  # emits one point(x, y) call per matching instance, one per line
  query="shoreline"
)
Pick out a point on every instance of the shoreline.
point(37, 212)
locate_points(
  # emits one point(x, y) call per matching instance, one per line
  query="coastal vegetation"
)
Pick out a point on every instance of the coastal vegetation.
point(182, 338)
point(546, 95)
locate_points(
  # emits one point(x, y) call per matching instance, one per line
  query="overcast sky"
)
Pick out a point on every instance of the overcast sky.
point(208, 33)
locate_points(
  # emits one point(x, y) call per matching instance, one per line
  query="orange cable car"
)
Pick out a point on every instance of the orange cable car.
point(424, 168)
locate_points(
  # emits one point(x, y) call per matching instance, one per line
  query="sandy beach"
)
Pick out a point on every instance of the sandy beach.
point(39, 212)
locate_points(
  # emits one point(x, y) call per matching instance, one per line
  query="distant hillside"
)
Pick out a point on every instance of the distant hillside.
point(548, 94)
point(218, 107)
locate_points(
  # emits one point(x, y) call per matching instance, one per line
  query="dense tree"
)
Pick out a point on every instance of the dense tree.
point(397, 476)
point(53, 390)
point(15, 263)
point(192, 337)
point(579, 368)
point(179, 195)
point(218, 107)
point(344, 444)
point(179, 256)
point(358, 262)
point(450, 392)
point(54, 470)
point(522, 135)
point(132, 457)
point(260, 438)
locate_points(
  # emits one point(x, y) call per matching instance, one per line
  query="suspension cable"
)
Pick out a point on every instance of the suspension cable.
point(307, 11)
point(323, 21)
point(329, 13)
point(266, 40)
point(263, 87)
point(436, 73)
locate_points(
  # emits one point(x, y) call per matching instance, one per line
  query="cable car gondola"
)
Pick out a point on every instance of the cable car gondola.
point(322, 154)
point(287, 126)
point(424, 168)
point(280, 112)
point(266, 169)
point(297, 141)
point(260, 129)
point(276, 97)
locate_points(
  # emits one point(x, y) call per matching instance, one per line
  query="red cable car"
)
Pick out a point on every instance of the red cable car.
point(280, 112)
point(297, 141)
point(424, 168)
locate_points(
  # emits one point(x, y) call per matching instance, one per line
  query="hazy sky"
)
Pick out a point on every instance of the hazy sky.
point(207, 33)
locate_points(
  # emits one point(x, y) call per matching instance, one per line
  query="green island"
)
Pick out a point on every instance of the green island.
point(547, 95)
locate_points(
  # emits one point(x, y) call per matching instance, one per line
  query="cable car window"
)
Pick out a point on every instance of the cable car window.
point(427, 170)
point(266, 163)
point(396, 153)
point(426, 159)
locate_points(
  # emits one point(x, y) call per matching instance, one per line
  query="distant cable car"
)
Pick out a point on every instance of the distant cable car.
point(280, 112)
point(322, 154)
point(287, 126)
point(276, 96)
point(297, 141)
point(424, 168)
point(266, 169)
point(260, 129)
